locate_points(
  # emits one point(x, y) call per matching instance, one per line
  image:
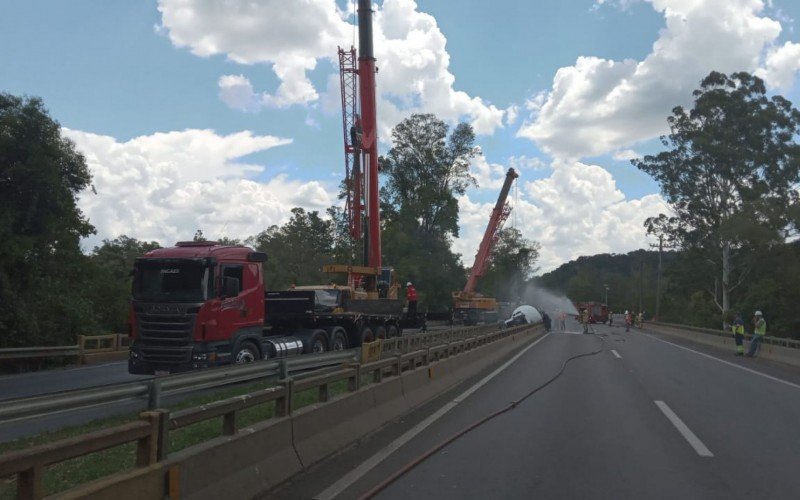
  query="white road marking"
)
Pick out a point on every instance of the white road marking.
point(687, 433)
point(776, 379)
point(615, 353)
point(351, 477)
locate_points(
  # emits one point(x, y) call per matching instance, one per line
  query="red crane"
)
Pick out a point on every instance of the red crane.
point(467, 305)
point(361, 138)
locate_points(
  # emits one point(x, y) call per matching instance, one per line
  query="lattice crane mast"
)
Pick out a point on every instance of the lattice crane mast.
point(359, 125)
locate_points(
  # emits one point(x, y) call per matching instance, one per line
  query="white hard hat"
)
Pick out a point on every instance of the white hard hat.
point(408, 284)
point(758, 313)
point(626, 311)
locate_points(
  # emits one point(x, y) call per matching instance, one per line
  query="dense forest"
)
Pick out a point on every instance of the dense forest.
point(687, 286)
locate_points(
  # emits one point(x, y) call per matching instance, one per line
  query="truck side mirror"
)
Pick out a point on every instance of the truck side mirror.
point(230, 287)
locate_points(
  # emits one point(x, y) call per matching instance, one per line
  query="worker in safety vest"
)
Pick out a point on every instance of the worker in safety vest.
point(411, 296)
point(759, 331)
point(738, 334)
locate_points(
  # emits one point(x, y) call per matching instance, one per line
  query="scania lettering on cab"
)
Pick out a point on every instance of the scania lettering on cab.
point(201, 304)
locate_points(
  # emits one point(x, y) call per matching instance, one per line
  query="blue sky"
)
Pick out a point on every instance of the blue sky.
point(115, 70)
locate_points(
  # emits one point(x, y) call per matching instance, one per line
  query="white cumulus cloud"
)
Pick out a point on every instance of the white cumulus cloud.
point(781, 64)
point(598, 105)
point(164, 186)
point(578, 210)
point(292, 36)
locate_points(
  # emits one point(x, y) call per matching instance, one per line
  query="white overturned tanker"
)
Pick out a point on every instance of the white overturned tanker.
point(523, 315)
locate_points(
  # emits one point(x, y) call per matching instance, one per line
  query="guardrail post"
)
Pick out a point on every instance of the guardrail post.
point(162, 435)
point(354, 382)
point(154, 395)
point(30, 484)
point(397, 368)
point(283, 405)
point(151, 448)
point(324, 393)
point(81, 349)
point(229, 423)
point(426, 358)
point(283, 369)
point(377, 375)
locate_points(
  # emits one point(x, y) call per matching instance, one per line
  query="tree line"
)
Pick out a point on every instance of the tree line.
point(729, 171)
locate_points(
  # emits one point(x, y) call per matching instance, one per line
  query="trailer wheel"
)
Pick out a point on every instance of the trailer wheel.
point(367, 335)
point(380, 332)
point(317, 343)
point(338, 340)
point(247, 352)
point(391, 331)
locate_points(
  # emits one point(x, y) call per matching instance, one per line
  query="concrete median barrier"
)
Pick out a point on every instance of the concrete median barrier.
point(772, 352)
point(320, 430)
point(255, 459)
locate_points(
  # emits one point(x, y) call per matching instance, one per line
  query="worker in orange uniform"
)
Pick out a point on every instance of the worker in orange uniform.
point(411, 296)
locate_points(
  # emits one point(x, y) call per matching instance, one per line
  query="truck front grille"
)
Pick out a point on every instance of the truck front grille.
point(164, 332)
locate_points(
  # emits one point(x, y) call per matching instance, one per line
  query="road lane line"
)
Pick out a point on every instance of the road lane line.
point(687, 433)
point(351, 477)
point(776, 379)
point(615, 353)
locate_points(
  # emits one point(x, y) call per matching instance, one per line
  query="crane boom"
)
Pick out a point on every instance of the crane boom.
point(499, 215)
point(361, 139)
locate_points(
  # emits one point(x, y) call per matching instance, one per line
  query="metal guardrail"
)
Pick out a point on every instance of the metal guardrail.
point(152, 390)
point(15, 353)
point(778, 341)
point(87, 344)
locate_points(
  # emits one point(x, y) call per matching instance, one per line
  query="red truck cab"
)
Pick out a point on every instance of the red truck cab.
point(195, 305)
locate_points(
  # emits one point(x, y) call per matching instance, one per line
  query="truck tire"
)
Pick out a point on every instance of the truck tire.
point(338, 339)
point(367, 335)
point(318, 342)
point(247, 352)
point(380, 332)
point(392, 331)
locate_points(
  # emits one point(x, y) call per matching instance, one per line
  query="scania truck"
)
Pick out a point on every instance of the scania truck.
point(202, 304)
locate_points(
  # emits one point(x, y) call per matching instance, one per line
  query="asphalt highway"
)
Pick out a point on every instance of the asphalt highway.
point(646, 417)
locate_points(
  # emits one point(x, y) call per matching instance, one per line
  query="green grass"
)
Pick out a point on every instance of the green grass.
point(68, 474)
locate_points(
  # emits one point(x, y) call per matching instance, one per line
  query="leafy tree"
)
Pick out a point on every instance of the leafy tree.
point(730, 175)
point(511, 265)
point(425, 170)
point(297, 250)
point(109, 289)
point(198, 236)
point(41, 266)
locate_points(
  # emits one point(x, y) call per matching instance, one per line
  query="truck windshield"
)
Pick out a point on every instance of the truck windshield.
point(172, 281)
point(327, 300)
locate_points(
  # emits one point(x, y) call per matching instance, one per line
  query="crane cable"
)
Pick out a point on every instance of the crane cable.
point(513, 404)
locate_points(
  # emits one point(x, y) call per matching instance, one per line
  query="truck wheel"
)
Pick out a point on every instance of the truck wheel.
point(338, 340)
point(391, 331)
point(247, 352)
point(317, 343)
point(380, 332)
point(367, 335)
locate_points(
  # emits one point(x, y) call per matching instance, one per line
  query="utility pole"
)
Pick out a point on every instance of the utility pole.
point(658, 281)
